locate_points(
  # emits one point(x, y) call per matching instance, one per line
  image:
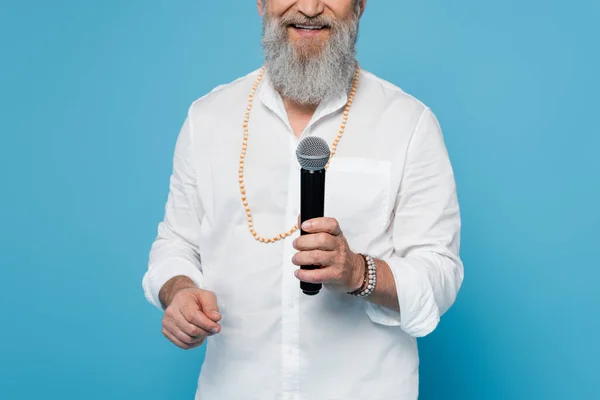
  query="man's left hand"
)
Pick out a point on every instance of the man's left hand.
point(325, 246)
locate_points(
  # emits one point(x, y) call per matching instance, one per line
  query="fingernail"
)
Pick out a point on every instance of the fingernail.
point(306, 225)
point(215, 330)
point(296, 273)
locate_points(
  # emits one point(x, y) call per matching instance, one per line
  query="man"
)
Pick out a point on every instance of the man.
point(225, 263)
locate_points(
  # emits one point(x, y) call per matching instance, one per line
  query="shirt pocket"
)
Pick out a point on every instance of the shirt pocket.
point(357, 192)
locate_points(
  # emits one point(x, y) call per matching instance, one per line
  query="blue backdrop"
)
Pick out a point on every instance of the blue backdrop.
point(92, 96)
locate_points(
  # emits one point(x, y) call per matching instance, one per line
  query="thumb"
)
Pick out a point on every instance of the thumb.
point(208, 305)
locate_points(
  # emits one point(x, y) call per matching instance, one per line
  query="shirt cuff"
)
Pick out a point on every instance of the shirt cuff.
point(158, 275)
point(419, 314)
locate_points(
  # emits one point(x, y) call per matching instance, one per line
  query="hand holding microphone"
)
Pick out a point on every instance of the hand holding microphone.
point(324, 255)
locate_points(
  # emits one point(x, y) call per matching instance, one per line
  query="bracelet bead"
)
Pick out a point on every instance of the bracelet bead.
point(370, 279)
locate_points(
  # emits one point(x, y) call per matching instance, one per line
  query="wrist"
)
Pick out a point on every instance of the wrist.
point(369, 279)
point(172, 287)
point(359, 273)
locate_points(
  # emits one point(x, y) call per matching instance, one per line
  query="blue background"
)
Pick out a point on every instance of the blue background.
point(92, 96)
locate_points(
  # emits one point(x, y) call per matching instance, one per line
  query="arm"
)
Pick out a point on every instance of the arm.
point(175, 252)
point(422, 279)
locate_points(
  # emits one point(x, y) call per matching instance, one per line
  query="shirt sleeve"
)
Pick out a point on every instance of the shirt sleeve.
point(425, 264)
point(175, 249)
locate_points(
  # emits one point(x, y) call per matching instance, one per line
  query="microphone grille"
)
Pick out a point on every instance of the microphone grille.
point(313, 153)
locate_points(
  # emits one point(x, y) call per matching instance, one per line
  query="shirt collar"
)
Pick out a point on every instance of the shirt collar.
point(273, 101)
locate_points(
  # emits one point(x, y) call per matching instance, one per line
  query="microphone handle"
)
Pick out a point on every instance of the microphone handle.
point(312, 205)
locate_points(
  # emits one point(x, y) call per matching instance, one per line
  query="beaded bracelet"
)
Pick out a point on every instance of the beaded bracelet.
point(370, 279)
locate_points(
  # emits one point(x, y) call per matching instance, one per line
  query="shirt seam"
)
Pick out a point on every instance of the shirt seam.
point(392, 87)
point(408, 149)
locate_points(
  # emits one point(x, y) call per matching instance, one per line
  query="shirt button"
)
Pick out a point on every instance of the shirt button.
point(291, 305)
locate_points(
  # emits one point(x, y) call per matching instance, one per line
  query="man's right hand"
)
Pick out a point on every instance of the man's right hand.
point(191, 316)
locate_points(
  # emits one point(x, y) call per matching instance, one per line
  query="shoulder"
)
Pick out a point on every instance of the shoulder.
point(223, 97)
point(394, 97)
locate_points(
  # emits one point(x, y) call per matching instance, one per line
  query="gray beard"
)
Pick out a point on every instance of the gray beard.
point(310, 78)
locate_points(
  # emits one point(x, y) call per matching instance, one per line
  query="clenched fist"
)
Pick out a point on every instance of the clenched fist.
point(190, 317)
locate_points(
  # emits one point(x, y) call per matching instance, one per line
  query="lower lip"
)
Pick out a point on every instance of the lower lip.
point(308, 32)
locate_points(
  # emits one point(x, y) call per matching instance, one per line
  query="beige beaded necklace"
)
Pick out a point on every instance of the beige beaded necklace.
point(245, 147)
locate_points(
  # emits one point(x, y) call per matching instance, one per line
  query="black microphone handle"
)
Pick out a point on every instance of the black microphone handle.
point(312, 205)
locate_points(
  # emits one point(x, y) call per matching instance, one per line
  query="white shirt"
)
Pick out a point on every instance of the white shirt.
point(391, 187)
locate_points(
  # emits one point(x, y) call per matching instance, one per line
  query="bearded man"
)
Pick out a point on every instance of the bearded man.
point(225, 263)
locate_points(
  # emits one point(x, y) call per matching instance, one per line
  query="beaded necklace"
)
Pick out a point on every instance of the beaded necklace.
point(245, 147)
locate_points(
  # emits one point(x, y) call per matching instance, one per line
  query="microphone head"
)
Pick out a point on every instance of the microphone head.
point(313, 153)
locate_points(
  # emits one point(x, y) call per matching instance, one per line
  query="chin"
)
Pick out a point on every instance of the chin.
point(309, 48)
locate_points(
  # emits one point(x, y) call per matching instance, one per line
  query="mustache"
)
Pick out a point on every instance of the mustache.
point(300, 19)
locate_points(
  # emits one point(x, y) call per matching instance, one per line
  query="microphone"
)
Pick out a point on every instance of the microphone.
point(313, 154)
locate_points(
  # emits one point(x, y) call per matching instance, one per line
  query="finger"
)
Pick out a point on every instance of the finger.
point(178, 342)
point(174, 340)
point(190, 329)
point(313, 257)
point(316, 241)
point(200, 320)
point(323, 224)
point(172, 326)
point(323, 275)
point(208, 305)
point(177, 336)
